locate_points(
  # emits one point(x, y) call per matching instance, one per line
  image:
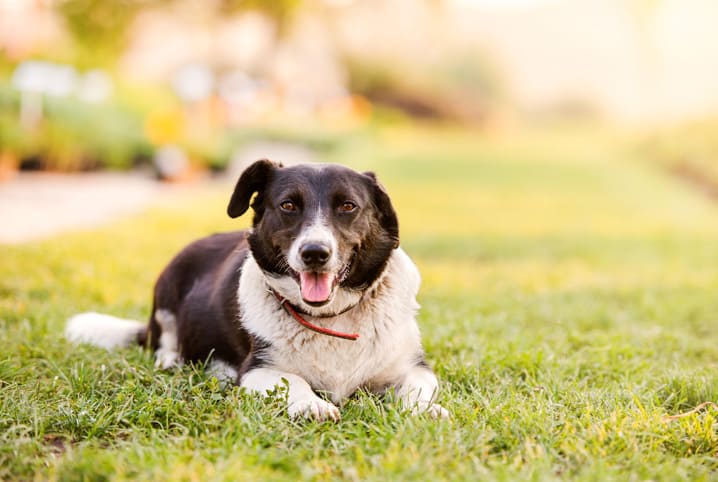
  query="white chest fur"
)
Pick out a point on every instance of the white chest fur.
point(388, 343)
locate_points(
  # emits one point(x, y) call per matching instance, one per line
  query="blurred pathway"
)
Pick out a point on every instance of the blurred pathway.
point(39, 205)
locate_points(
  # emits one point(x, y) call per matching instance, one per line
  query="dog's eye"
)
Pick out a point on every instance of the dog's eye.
point(288, 206)
point(347, 207)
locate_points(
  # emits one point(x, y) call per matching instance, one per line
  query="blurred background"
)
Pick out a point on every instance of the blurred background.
point(130, 92)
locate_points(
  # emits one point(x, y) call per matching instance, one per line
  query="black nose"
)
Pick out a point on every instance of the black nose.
point(314, 254)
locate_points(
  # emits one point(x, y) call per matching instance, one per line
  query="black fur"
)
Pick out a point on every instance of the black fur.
point(252, 180)
point(258, 356)
point(199, 287)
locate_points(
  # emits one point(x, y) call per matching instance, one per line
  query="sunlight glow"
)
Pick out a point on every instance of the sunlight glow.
point(502, 4)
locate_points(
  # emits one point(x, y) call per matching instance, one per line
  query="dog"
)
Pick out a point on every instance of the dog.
point(317, 296)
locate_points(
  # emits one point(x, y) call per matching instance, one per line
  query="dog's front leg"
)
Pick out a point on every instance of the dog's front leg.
point(418, 390)
point(301, 399)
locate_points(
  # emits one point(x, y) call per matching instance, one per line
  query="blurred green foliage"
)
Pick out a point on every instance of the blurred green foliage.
point(13, 139)
point(75, 135)
point(72, 135)
point(100, 28)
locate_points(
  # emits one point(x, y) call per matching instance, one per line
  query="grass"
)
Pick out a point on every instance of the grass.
point(569, 307)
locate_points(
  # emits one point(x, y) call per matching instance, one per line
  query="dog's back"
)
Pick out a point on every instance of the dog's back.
point(197, 292)
point(194, 297)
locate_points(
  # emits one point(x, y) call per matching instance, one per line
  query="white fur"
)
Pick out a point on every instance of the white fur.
point(101, 330)
point(167, 354)
point(318, 231)
point(385, 354)
point(418, 391)
point(301, 399)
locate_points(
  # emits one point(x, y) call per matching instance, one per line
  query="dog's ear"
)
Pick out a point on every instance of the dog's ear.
point(371, 175)
point(252, 180)
point(385, 210)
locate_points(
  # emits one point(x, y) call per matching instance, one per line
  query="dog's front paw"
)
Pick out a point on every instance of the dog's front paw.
point(315, 408)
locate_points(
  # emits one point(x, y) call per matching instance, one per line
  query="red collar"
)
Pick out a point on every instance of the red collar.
point(284, 303)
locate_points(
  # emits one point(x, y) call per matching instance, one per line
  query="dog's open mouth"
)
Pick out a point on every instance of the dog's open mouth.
point(317, 287)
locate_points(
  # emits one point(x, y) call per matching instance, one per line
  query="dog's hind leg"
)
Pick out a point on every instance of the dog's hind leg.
point(167, 354)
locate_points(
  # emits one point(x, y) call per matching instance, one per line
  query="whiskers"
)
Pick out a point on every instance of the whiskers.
point(283, 265)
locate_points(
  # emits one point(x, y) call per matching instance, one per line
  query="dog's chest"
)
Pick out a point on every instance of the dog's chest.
point(388, 339)
point(340, 367)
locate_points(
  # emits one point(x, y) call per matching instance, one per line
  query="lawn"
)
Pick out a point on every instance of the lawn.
point(570, 309)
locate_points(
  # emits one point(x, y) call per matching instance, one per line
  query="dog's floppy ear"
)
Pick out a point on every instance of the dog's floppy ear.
point(385, 210)
point(252, 180)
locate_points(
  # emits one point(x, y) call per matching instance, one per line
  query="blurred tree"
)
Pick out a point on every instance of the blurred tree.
point(100, 27)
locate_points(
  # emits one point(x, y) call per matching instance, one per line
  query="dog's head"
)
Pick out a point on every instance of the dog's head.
point(326, 227)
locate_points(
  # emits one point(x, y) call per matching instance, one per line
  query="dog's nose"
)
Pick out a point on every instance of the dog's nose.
point(314, 254)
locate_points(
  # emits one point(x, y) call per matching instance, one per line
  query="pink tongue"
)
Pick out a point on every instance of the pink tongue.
point(316, 287)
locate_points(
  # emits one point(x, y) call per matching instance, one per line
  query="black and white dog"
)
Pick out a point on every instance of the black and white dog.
point(317, 295)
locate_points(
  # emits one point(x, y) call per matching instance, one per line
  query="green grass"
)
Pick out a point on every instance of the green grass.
point(570, 304)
